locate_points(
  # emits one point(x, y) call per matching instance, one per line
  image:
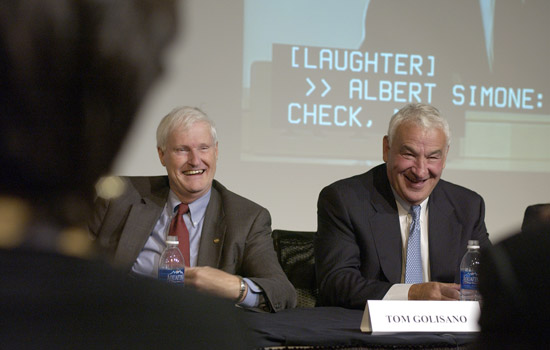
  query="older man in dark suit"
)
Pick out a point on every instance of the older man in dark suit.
point(229, 236)
point(370, 242)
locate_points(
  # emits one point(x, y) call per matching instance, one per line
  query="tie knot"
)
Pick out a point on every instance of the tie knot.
point(182, 208)
point(415, 211)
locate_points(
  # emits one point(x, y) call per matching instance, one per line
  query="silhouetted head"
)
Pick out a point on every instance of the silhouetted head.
point(72, 75)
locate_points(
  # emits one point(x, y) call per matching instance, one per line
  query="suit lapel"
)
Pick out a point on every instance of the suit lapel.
point(444, 235)
point(213, 231)
point(139, 225)
point(385, 226)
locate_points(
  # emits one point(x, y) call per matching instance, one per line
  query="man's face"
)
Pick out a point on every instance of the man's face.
point(190, 160)
point(415, 161)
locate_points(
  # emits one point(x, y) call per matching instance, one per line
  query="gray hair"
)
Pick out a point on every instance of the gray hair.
point(183, 117)
point(423, 115)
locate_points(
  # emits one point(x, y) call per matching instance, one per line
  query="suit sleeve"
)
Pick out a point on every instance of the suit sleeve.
point(104, 234)
point(261, 265)
point(107, 221)
point(98, 214)
point(479, 231)
point(456, 216)
point(342, 279)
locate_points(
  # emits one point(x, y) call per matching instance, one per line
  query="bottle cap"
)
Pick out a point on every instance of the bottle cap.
point(473, 244)
point(172, 240)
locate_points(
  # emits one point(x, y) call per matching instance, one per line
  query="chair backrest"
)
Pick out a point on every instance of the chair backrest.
point(295, 252)
point(536, 216)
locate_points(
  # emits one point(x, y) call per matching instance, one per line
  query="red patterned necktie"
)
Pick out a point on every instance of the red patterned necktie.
point(178, 228)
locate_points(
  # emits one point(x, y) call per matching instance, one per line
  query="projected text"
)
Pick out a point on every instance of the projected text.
point(343, 89)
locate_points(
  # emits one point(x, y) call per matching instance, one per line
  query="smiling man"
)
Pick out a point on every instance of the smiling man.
point(227, 235)
point(364, 246)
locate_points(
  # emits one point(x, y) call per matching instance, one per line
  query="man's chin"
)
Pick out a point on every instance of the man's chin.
point(198, 188)
point(416, 197)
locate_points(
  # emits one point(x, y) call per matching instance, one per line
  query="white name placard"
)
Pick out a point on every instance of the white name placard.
point(393, 316)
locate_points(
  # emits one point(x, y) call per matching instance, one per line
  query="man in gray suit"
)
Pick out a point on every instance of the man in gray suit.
point(229, 236)
point(363, 221)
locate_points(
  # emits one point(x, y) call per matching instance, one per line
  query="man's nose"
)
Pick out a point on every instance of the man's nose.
point(193, 158)
point(420, 169)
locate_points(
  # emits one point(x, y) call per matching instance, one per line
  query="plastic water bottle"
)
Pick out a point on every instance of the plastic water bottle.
point(171, 262)
point(469, 267)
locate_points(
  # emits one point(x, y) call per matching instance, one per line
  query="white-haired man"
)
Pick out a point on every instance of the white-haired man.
point(229, 236)
point(366, 245)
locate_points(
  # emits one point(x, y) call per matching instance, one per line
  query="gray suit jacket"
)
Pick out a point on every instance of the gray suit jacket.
point(236, 235)
point(358, 243)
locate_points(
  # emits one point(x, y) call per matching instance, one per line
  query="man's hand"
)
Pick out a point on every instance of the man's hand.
point(213, 281)
point(434, 291)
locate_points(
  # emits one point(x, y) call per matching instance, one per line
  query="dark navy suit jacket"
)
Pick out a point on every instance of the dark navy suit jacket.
point(358, 243)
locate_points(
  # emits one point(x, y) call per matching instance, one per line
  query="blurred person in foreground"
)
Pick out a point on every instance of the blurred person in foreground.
point(228, 236)
point(72, 74)
point(366, 225)
point(514, 280)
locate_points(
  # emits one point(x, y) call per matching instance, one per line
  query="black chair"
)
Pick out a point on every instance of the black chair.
point(295, 252)
point(537, 216)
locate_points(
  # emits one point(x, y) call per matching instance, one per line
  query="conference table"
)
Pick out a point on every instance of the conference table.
point(339, 328)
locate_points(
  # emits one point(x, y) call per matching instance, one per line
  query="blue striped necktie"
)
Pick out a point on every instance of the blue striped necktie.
point(413, 266)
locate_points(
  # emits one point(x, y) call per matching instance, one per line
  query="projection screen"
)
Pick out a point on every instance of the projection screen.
point(301, 92)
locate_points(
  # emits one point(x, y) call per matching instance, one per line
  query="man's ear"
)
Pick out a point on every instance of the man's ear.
point(161, 156)
point(385, 148)
point(445, 157)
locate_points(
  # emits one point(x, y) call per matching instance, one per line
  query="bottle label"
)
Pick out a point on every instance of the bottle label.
point(171, 275)
point(468, 280)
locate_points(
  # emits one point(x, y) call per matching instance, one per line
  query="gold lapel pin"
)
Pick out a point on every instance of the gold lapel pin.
point(216, 240)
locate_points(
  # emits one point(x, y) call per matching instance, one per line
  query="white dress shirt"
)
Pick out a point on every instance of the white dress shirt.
point(400, 291)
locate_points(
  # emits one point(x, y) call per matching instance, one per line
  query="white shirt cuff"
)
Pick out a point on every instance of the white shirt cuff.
point(398, 291)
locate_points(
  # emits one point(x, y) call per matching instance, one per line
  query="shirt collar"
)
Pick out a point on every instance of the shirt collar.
point(406, 206)
point(197, 208)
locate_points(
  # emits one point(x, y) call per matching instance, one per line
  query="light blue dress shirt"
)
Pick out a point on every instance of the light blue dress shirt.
point(147, 262)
